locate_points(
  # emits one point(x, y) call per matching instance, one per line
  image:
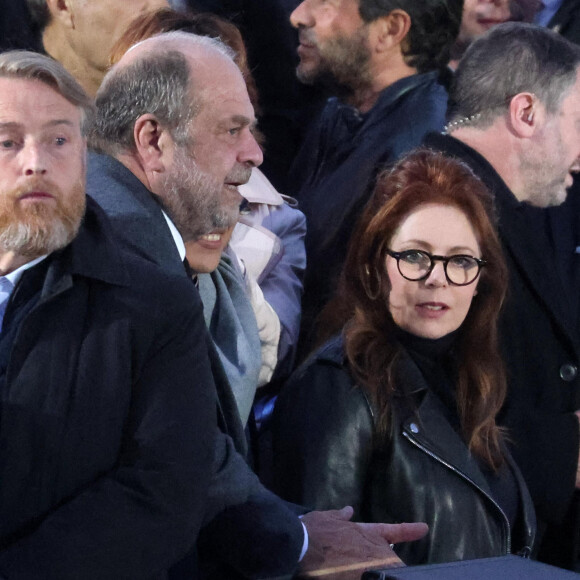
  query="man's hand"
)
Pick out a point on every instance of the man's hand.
point(339, 548)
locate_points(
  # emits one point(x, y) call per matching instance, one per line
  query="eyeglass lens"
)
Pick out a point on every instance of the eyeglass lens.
point(416, 265)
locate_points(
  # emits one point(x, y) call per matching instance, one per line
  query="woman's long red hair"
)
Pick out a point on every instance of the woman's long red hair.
point(425, 177)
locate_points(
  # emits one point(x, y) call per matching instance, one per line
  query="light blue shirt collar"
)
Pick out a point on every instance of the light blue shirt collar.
point(15, 275)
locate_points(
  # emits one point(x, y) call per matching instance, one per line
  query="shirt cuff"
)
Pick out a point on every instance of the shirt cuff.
point(304, 545)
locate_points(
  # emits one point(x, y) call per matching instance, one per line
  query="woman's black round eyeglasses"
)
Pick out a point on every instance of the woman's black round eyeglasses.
point(415, 265)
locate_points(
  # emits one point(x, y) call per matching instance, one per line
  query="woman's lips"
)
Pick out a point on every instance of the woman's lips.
point(432, 309)
point(489, 22)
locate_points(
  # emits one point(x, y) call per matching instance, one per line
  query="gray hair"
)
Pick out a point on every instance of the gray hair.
point(39, 12)
point(512, 58)
point(157, 82)
point(23, 64)
point(434, 28)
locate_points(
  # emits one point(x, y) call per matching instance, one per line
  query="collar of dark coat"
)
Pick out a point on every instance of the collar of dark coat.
point(387, 98)
point(420, 411)
point(92, 254)
point(115, 170)
point(478, 163)
point(333, 353)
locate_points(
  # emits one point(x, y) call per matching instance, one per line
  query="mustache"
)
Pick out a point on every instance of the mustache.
point(35, 184)
point(240, 174)
point(306, 36)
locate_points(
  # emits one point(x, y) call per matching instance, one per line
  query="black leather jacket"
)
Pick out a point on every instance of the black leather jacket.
point(326, 456)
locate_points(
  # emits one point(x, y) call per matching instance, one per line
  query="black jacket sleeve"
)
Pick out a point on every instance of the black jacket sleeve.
point(322, 439)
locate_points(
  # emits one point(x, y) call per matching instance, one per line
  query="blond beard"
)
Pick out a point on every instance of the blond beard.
point(36, 229)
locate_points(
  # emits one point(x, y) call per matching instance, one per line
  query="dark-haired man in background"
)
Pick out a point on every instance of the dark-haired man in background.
point(383, 60)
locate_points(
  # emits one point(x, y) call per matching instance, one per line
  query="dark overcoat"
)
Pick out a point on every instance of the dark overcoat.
point(105, 443)
point(540, 343)
point(248, 531)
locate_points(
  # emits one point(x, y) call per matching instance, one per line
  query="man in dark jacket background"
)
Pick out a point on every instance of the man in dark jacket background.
point(107, 406)
point(383, 60)
point(515, 120)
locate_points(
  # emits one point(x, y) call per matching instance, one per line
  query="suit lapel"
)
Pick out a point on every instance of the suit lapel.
point(428, 425)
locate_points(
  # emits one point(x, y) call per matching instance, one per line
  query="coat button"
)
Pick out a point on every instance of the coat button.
point(414, 428)
point(568, 372)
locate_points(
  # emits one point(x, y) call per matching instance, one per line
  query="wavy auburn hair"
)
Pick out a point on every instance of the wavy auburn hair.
point(426, 177)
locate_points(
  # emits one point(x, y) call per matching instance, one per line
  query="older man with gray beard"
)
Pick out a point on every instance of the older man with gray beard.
point(179, 94)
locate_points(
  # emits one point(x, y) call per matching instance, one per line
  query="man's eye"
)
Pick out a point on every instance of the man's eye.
point(7, 144)
point(60, 141)
point(234, 131)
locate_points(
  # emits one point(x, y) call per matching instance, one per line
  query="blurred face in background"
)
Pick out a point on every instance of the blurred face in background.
point(95, 26)
point(481, 15)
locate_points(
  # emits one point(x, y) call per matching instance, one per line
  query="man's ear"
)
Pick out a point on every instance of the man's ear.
point(390, 30)
point(153, 142)
point(524, 114)
point(62, 11)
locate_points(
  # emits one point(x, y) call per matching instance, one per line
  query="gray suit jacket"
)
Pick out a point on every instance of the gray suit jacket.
point(272, 544)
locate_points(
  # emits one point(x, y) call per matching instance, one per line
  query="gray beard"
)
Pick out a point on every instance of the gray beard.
point(192, 199)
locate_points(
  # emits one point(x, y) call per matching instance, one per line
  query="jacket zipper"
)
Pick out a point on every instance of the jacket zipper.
point(507, 543)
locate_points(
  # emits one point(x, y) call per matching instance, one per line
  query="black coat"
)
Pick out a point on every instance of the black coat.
point(327, 453)
point(105, 447)
point(246, 528)
point(334, 174)
point(566, 21)
point(539, 337)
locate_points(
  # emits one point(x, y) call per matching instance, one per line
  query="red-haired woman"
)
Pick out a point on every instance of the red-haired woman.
point(396, 416)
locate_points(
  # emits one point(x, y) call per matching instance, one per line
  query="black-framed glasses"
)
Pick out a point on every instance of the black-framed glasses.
point(416, 265)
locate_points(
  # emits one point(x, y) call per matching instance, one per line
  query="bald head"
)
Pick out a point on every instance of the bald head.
point(166, 76)
point(175, 111)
